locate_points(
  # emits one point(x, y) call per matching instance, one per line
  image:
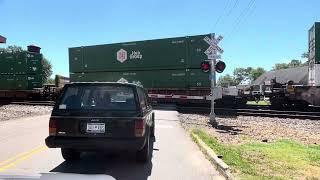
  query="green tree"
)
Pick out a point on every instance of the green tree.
point(256, 72)
point(306, 63)
point(46, 69)
point(242, 74)
point(278, 66)
point(12, 49)
point(294, 63)
point(226, 80)
point(50, 81)
point(305, 55)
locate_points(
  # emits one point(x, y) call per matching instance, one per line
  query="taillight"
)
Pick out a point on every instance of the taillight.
point(139, 128)
point(52, 127)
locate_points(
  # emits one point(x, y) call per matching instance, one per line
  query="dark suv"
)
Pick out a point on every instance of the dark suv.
point(101, 116)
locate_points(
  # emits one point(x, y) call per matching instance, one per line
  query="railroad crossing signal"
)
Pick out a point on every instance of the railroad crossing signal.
point(219, 66)
point(205, 66)
point(213, 42)
point(212, 54)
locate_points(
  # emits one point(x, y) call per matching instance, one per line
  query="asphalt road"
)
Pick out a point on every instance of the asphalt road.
point(23, 154)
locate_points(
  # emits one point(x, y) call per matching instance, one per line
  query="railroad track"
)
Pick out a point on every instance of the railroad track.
point(35, 103)
point(313, 115)
point(252, 112)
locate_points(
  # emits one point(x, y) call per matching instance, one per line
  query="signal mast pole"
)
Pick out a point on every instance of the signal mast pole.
point(212, 53)
point(213, 84)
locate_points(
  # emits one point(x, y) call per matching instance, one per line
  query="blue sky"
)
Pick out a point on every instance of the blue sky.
point(257, 33)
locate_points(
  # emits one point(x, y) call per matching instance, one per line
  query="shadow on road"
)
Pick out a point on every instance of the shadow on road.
point(120, 166)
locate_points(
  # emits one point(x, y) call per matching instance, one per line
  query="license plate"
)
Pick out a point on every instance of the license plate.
point(96, 127)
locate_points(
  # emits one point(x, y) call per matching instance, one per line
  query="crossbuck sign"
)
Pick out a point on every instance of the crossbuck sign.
point(212, 51)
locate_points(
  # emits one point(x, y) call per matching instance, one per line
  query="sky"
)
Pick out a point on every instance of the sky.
point(256, 33)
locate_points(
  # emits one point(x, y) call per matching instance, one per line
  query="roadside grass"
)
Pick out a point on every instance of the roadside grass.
point(283, 159)
point(260, 103)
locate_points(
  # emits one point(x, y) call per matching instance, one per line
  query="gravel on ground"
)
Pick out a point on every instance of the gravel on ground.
point(12, 111)
point(242, 129)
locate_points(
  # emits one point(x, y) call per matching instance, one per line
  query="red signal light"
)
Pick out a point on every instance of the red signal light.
point(205, 66)
point(220, 66)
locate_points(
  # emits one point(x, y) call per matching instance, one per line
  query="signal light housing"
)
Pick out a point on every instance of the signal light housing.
point(205, 66)
point(220, 66)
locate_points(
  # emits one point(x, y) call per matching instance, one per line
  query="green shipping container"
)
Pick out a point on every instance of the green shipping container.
point(7, 82)
point(165, 79)
point(6, 65)
point(166, 54)
point(20, 82)
point(20, 63)
point(13, 82)
point(34, 81)
point(34, 61)
point(197, 79)
point(314, 43)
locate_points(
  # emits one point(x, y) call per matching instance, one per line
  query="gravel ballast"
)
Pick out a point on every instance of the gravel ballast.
point(241, 129)
point(8, 112)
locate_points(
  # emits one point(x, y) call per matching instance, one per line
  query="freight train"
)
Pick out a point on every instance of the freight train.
point(168, 68)
point(21, 76)
point(295, 88)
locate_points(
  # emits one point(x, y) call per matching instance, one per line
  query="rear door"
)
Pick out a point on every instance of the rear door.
point(82, 112)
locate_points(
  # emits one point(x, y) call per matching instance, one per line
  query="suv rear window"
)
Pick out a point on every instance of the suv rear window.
point(102, 97)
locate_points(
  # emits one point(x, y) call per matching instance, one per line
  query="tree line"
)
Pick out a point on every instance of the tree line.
point(249, 74)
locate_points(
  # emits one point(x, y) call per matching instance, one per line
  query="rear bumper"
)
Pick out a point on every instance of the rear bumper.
point(98, 143)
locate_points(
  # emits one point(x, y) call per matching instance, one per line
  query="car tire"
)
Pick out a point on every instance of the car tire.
point(152, 127)
point(70, 154)
point(143, 155)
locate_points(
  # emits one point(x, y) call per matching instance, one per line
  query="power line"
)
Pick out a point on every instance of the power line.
point(220, 17)
point(249, 13)
point(243, 15)
point(233, 7)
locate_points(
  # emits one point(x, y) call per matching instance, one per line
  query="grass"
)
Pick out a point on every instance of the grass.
point(283, 159)
point(260, 103)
